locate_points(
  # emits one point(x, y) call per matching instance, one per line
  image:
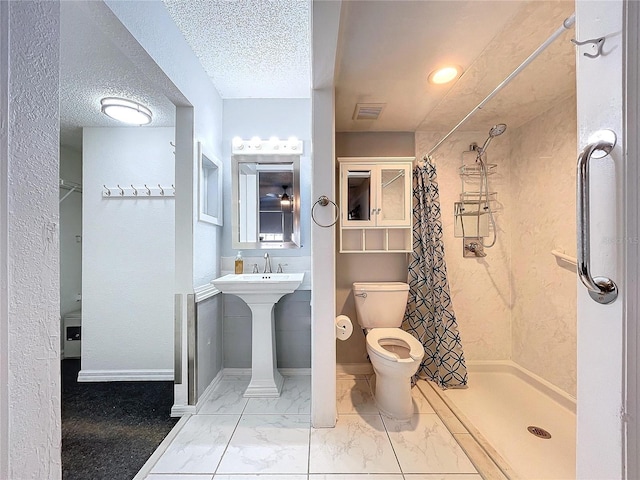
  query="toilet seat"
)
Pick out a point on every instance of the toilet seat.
point(394, 336)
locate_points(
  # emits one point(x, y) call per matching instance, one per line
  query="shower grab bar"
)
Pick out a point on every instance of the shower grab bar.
point(566, 25)
point(602, 289)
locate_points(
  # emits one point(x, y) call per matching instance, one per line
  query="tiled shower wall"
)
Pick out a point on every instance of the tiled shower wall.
point(480, 287)
point(518, 303)
point(543, 183)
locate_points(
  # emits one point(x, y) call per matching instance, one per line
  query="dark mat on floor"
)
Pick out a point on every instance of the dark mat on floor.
point(110, 429)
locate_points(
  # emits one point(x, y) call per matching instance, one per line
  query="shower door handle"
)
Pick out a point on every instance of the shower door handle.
point(602, 289)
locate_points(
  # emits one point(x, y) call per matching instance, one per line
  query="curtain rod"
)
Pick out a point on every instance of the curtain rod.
point(566, 25)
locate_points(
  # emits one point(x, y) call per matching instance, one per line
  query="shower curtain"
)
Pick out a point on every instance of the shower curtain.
point(429, 315)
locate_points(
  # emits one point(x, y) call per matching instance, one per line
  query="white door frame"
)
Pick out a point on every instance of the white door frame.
point(632, 234)
point(607, 334)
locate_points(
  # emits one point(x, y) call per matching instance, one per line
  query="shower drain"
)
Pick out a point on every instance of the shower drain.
point(539, 432)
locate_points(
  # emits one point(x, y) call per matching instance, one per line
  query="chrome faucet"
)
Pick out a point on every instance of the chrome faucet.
point(267, 263)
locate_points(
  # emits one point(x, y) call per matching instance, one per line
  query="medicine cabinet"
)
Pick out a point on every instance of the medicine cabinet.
point(375, 204)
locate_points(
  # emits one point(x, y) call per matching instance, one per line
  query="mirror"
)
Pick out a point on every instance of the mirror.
point(210, 188)
point(359, 194)
point(266, 201)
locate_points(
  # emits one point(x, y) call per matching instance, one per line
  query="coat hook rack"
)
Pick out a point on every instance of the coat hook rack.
point(138, 192)
point(596, 42)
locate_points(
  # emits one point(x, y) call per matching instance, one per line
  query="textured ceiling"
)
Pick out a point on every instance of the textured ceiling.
point(92, 67)
point(388, 48)
point(249, 48)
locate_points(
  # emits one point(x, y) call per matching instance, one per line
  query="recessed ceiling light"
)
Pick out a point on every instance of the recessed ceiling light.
point(444, 74)
point(126, 111)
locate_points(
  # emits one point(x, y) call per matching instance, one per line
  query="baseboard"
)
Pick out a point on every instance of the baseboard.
point(351, 369)
point(290, 372)
point(125, 375)
point(246, 372)
point(182, 410)
point(207, 391)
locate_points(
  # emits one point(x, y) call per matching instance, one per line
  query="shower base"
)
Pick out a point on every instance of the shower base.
point(503, 400)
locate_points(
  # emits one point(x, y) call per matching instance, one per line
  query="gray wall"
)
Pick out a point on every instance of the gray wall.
point(293, 331)
point(209, 345)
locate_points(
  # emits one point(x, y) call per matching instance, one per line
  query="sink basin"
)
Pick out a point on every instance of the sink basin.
point(248, 283)
point(261, 291)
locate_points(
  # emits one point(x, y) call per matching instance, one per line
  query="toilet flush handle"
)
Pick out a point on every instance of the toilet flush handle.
point(363, 294)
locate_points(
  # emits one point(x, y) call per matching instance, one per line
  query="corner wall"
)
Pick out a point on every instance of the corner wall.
point(543, 183)
point(480, 287)
point(30, 408)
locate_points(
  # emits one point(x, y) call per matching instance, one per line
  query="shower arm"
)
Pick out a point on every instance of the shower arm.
point(566, 25)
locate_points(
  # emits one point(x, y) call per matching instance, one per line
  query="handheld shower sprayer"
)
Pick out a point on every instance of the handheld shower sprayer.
point(495, 131)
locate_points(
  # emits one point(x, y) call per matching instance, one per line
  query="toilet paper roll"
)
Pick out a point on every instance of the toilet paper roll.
point(344, 327)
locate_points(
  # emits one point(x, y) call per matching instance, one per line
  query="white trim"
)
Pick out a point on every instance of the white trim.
point(236, 372)
point(207, 391)
point(182, 410)
point(204, 292)
point(631, 222)
point(292, 372)
point(353, 369)
point(125, 375)
point(507, 366)
point(155, 456)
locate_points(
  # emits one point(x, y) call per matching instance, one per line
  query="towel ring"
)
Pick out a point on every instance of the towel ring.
point(323, 200)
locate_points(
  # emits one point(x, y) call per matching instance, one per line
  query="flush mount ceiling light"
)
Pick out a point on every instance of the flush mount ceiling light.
point(444, 74)
point(125, 111)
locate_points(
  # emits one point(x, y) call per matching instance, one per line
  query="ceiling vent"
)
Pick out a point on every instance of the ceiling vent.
point(368, 111)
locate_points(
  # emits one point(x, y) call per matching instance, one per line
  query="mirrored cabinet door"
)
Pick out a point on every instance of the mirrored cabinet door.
point(394, 191)
point(358, 189)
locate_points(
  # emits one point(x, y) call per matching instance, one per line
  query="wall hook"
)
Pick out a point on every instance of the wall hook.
point(121, 191)
point(135, 190)
point(148, 190)
point(108, 190)
point(161, 190)
point(596, 42)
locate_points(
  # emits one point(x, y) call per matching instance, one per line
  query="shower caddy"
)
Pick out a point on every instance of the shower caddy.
point(471, 213)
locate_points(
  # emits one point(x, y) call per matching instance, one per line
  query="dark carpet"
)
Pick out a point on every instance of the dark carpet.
point(110, 429)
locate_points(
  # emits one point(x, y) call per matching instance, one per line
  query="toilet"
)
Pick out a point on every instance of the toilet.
point(394, 353)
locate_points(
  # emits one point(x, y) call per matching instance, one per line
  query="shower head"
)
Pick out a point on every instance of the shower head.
point(495, 131)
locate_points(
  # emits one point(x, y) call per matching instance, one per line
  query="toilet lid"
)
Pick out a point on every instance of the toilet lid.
point(375, 335)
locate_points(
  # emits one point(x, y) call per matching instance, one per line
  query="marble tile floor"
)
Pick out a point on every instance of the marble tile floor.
point(237, 438)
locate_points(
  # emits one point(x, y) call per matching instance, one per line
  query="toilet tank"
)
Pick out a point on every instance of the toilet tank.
point(380, 304)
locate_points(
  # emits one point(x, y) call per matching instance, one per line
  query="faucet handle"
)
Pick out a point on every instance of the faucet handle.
point(280, 265)
point(255, 268)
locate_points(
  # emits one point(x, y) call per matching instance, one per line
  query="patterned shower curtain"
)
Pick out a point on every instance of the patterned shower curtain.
point(429, 316)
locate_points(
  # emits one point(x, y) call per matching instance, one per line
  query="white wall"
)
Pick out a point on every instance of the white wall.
point(29, 285)
point(70, 228)
point(128, 255)
point(264, 118)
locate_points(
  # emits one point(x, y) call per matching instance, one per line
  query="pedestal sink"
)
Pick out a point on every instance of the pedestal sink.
point(261, 291)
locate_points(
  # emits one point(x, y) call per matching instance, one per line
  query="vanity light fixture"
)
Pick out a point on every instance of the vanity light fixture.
point(273, 146)
point(445, 74)
point(126, 111)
